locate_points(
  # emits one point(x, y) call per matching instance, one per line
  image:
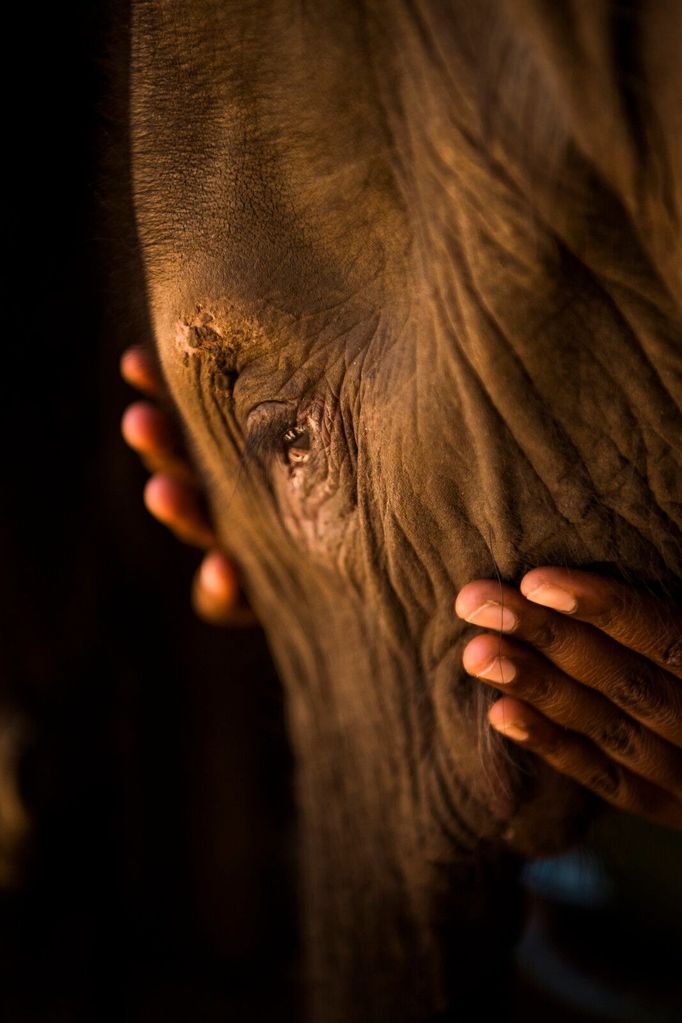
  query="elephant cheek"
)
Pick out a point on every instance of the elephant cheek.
point(320, 519)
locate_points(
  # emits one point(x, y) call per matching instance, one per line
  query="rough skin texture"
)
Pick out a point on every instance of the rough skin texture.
point(438, 247)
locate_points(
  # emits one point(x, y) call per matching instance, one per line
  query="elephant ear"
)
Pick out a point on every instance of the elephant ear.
point(616, 71)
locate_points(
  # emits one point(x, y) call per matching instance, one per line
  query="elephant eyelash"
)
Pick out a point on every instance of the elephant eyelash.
point(271, 436)
point(291, 435)
point(261, 441)
point(297, 445)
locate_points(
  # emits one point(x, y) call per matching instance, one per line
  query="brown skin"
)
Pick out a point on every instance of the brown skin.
point(413, 274)
point(173, 494)
point(595, 690)
point(570, 684)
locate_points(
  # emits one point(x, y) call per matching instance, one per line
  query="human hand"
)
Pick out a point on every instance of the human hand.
point(173, 494)
point(594, 676)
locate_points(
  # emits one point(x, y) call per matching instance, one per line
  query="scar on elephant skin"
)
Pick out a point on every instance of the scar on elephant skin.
point(202, 336)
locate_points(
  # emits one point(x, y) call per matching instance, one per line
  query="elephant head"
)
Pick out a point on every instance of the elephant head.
point(418, 325)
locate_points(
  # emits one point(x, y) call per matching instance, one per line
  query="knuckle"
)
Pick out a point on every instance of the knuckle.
point(672, 656)
point(607, 780)
point(620, 606)
point(640, 691)
point(620, 737)
point(537, 689)
point(552, 744)
point(546, 634)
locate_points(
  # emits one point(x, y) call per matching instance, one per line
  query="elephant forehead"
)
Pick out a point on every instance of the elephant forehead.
point(525, 383)
point(276, 189)
point(259, 174)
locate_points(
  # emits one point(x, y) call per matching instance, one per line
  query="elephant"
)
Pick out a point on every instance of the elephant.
point(414, 273)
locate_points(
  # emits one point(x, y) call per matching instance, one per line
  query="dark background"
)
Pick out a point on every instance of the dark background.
point(146, 749)
point(145, 808)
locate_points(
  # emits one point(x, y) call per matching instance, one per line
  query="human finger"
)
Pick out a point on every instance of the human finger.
point(633, 617)
point(138, 368)
point(179, 506)
point(150, 432)
point(522, 672)
point(216, 593)
point(578, 758)
point(585, 653)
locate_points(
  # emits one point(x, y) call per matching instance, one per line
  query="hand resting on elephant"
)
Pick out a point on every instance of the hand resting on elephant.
point(589, 668)
point(173, 495)
point(594, 670)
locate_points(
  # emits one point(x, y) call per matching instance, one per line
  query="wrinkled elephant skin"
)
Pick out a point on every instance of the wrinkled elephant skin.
point(414, 272)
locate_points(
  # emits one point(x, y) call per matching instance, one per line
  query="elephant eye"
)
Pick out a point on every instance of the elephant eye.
point(297, 445)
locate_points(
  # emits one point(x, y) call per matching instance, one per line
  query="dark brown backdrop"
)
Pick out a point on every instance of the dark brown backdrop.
point(147, 748)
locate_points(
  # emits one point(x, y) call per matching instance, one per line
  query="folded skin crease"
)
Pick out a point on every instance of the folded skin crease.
point(635, 619)
point(414, 290)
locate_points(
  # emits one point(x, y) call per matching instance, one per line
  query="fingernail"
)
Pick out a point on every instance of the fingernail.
point(214, 576)
point(499, 670)
point(513, 729)
point(492, 615)
point(554, 597)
